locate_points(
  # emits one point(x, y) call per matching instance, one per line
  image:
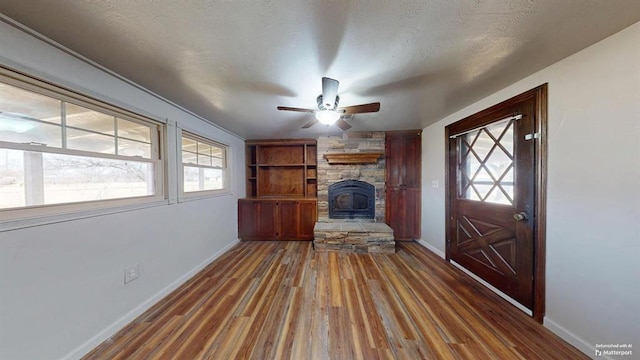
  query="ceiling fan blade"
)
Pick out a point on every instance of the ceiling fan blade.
point(286, 108)
point(309, 124)
point(359, 109)
point(343, 125)
point(329, 92)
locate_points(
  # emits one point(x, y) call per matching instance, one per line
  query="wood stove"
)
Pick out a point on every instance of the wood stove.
point(352, 199)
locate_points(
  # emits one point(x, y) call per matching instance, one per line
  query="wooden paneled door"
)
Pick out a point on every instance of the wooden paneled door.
point(402, 183)
point(494, 227)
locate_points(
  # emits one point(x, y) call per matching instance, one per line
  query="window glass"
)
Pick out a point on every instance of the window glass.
point(199, 179)
point(90, 141)
point(82, 118)
point(486, 164)
point(134, 131)
point(134, 148)
point(56, 152)
point(22, 131)
point(23, 104)
point(203, 164)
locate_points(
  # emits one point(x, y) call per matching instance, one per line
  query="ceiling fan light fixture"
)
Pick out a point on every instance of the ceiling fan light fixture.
point(327, 117)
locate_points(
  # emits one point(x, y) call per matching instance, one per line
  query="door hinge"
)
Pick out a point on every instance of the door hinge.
point(532, 136)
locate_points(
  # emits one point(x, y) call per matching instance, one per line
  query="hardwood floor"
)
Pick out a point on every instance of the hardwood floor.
point(281, 300)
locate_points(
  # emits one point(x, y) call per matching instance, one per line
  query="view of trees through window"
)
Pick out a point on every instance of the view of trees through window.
point(53, 151)
point(203, 163)
point(37, 178)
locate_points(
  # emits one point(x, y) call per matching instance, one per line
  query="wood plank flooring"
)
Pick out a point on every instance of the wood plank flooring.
point(281, 300)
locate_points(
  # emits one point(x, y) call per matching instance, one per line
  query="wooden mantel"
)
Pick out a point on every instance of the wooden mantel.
point(353, 158)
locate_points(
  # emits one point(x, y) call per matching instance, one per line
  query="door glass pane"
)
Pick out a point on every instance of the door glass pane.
point(483, 144)
point(486, 169)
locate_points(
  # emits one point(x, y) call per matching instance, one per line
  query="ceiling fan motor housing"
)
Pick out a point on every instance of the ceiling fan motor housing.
point(323, 106)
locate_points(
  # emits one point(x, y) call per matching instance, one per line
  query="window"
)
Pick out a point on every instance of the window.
point(57, 147)
point(204, 164)
point(486, 164)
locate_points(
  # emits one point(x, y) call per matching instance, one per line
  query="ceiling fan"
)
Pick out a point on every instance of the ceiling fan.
point(328, 111)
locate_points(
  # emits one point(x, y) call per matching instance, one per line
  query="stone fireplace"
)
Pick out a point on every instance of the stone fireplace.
point(370, 172)
point(351, 197)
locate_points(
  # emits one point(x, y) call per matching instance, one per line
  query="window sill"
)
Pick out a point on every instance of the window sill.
point(201, 195)
point(26, 218)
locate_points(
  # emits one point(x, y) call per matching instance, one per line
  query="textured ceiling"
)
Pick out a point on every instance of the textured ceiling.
point(232, 62)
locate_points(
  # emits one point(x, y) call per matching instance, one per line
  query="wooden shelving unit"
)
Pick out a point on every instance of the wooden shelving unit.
point(282, 188)
point(281, 168)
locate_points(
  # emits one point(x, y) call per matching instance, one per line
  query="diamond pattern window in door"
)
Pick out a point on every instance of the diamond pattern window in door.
point(486, 164)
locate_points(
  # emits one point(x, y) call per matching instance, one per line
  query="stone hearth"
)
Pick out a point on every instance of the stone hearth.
point(354, 237)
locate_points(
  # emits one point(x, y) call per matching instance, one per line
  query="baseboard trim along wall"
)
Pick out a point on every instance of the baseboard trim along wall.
point(90, 344)
point(565, 334)
point(476, 278)
point(432, 248)
point(572, 338)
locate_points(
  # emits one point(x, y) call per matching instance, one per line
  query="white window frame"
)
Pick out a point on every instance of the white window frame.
point(195, 195)
point(19, 217)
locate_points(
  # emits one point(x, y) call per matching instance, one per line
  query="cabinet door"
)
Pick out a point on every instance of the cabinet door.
point(403, 178)
point(247, 219)
point(402, 154)
point(289, 220)
point(308, 218)
point(256, 220)
point(394, 200)
point(266, 220)
point(393, 148)
point(403, 212)
point(411, 163)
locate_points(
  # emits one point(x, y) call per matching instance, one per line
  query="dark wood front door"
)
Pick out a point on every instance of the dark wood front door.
point(492, 194)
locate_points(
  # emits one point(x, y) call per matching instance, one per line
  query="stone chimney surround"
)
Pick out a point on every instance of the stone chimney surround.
point(351, 156)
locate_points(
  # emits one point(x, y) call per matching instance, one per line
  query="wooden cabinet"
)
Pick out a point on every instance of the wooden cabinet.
point(402, 197)
point(256, 219)
point(276, 219)
point(282, 188)
point(286, 168)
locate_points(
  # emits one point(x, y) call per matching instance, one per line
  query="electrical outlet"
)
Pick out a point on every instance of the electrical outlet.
point(435, 184)
point(131, 273)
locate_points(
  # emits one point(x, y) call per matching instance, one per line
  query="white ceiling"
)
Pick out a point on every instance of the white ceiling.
point(232, 62)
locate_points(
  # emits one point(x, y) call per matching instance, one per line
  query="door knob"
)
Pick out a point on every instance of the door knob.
point(521, 216)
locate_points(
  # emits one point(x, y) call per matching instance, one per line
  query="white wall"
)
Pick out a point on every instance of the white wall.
point(61, 285)
point(593, 231)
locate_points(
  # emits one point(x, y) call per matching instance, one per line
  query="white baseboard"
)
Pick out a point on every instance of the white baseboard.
point(475, 277)
point(554, 327)
point(433, 249)
point(573, 339)
point(110, 330)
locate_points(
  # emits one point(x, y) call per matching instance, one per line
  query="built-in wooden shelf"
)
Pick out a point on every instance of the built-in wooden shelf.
point(281, 168)
point(353, 158)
